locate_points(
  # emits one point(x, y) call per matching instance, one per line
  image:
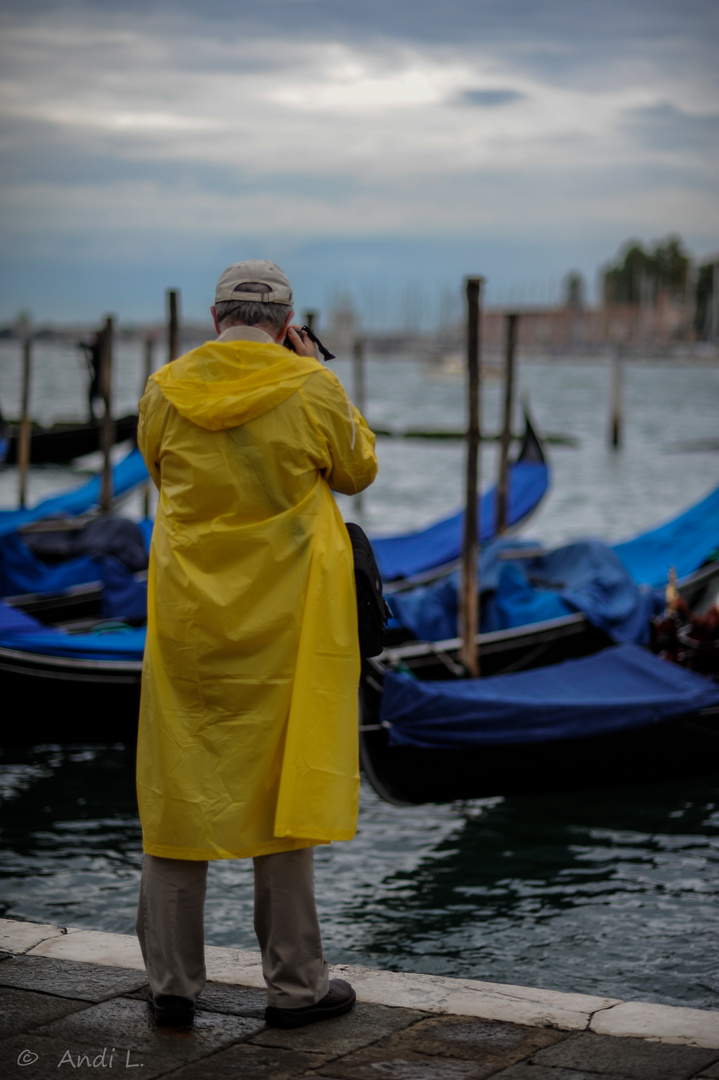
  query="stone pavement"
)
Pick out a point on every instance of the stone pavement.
point(74, 1004)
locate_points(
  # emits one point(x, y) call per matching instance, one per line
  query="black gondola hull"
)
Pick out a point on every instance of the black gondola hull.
point(687, 746)
point(62, 443)
point(63, 700)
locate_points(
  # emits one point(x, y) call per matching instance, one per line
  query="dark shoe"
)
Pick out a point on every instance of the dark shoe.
point(171, 1011)
point(339, 1000)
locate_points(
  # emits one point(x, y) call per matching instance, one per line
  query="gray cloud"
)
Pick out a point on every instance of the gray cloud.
point(665, 127)
point(488, 99)
point(329, 126)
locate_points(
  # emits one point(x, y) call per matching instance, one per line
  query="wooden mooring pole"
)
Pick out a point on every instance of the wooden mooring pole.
point(108, 428)
point(615, 419)
point(149, 365)
point(469, 593)
point(358, 389)
point(506, 435)
point(173, 324)
point(25, 425)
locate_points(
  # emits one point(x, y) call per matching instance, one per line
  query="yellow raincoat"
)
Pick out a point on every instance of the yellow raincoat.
point(248, 718)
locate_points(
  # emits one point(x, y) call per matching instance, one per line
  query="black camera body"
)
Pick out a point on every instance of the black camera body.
point(325, 353)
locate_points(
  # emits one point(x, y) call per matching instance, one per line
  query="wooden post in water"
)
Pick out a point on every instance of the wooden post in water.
point(358, 389)
point(107, 434)
point(309, 318)
point(149, 360)
point(506, 437)
point(615, 420)
point(173, 324)
point(25, 424)
point(149, 365)
point(469, 598)
point(714, 304)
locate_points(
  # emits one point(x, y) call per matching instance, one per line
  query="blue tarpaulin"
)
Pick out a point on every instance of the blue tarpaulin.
point(25, 633)
point(413, 553)
point(618, 689)
point(617, 587)
point(585, 576)
point(22, 572)
point(126, 475)
point(685, 543)
point(124, 594)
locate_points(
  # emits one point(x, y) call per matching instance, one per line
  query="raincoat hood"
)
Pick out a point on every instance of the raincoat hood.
point(224, 384)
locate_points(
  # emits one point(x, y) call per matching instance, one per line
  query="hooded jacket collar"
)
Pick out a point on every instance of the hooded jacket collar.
point(233, 380)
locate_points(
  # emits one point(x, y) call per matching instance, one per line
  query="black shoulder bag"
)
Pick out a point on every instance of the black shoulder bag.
point(373, 611)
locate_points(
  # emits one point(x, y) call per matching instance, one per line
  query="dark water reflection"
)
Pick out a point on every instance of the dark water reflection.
point(609, 892)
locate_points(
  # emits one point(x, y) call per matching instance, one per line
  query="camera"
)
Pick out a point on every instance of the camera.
point(325, 353)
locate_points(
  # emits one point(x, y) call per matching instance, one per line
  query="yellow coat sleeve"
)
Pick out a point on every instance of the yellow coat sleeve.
point(342, 432)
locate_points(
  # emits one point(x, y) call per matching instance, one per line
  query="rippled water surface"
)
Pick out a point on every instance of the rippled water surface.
point(610, 892)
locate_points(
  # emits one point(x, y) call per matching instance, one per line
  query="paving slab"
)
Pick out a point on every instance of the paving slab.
point(18, 937)
point(245, 1062)
point(233, 1000)
point(364, 1025)
point(469, 997)
point(632, 1059)
point(441, 1043)
point(23, 1010)
point(525, 1071)
point(68, 978)
point(124, 1033)
point(692, 1027)
point(92, 947)
point(223, 998)
point(462, 1037)
point(240, 973)
point(409, 1066)
point(234, 966)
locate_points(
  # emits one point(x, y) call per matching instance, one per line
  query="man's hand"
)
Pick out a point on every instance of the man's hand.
point(301, 343)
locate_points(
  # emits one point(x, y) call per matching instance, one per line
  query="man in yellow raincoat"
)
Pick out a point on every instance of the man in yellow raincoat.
point(248, 720)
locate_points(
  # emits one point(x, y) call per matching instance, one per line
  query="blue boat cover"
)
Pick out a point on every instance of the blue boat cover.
point(22, 571)
point(124, 595)
point(414, 553)
point(685, 543)
point(585, 576)
point(621, 688)
point(108, 642)
point(126, 475)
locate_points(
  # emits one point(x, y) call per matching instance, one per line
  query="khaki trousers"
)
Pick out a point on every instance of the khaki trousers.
point(170, 927)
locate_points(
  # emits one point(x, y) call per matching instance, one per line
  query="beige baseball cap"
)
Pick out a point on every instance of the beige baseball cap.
point(254, 272)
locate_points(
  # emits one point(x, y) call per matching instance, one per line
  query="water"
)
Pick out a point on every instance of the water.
point(613, 893)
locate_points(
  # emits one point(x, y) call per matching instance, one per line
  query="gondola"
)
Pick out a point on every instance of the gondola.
point(52, 583)
point(72, 684)
point(128, 474)
point(63, 442)
point(58, 592)
point(408, 559)
point(547, 714)
point(84, 685)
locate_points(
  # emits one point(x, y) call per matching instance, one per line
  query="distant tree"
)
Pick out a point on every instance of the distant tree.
point(574, 290)
point(704, 294)
point(672, 266)
point(639, 275)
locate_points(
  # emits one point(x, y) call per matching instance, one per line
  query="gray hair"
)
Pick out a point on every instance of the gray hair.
point(270, 317)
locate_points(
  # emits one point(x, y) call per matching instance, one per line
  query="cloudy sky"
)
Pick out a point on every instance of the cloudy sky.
point(384, 147)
